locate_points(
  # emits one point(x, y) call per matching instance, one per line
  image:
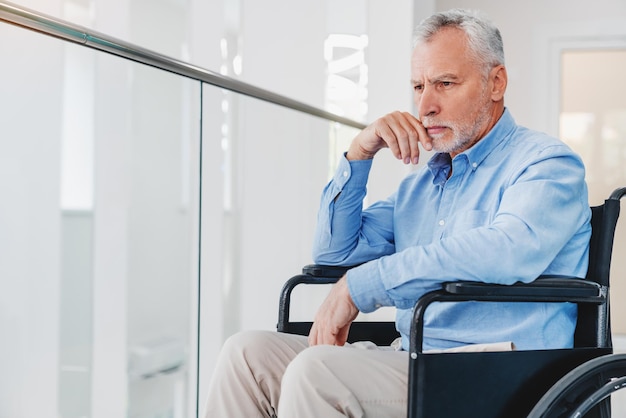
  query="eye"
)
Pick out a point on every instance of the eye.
point(418, 87)
point(446, 84)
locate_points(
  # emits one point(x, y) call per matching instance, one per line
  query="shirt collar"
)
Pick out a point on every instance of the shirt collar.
point(440, 163)
point(502, 129)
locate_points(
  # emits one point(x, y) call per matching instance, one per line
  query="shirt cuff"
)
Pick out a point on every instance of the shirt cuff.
point(366, 287)
point(356, 171)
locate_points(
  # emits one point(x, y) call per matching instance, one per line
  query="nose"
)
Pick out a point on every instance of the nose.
point(426, 102)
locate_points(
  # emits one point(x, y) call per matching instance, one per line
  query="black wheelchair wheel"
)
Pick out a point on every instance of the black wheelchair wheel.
point(586, 389)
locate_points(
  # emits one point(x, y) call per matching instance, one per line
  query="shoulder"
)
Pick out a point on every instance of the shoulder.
point(530, 154)
point(523, 138)
point(527, 146)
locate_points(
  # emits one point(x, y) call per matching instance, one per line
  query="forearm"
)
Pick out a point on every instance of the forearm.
point(345, 234)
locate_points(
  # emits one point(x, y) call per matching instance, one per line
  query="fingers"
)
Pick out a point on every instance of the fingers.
point(313, 339)
point(333, 319)
point(325, 331)
point(401, 132)
point(321, 335)
point(342, 335)
point(422, 138)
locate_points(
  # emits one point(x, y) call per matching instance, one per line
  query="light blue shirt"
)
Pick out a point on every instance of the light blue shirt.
point(515, 207)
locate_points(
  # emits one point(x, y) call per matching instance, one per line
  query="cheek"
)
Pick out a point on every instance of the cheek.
point(470, 106)
point(461, 110)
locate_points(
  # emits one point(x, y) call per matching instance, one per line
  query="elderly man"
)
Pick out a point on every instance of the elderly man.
point(497, 203)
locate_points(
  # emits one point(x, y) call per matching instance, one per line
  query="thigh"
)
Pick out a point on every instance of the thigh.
point(247, 377)
point(376, 377)
point(265, 352)
point(357, 382)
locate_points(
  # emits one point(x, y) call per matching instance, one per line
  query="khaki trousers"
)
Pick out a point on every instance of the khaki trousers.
point(269, 374)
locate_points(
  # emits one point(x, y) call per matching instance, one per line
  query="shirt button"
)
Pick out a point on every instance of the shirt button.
point(442, 222)
point(475, 165)
point(345, 174)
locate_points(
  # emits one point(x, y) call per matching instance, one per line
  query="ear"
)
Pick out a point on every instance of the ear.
point(499, 79)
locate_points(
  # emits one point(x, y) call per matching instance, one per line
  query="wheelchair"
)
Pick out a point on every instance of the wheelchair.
point(570, 383)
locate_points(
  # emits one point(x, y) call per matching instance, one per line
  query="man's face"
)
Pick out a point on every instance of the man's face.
point(451, 92)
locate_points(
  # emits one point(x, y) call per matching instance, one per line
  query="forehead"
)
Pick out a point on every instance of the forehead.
point(445, 52)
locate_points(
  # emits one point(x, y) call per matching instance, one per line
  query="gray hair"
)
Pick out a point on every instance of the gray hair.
point(485, 41)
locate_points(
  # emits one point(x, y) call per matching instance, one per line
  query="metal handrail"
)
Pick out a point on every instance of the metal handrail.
point(58, 28)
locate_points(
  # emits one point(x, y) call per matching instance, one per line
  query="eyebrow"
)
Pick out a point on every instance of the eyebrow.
point(440, 77)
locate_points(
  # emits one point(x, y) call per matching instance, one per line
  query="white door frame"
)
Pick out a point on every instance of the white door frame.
point(549, 42)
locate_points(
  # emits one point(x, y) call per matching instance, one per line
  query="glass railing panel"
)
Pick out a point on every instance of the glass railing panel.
point(264, 168)
point(30, 222)
point(100, 169)
point(161, 184)
point(104, 163)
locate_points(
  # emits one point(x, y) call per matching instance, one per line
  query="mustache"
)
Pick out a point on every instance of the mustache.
point(428, 122)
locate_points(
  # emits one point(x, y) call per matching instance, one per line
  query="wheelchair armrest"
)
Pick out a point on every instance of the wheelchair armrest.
point(543, 289)
point(320, 270)
point(311, 274)
point(544, 286)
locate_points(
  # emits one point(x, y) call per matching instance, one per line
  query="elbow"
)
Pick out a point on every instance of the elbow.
point(328, 258)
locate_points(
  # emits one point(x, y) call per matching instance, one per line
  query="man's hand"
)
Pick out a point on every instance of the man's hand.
point(401, 132)
point(333, 318)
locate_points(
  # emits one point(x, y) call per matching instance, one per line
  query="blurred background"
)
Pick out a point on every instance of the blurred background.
point(146, 216)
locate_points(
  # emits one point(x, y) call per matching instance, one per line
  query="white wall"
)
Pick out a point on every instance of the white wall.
point(30, 225)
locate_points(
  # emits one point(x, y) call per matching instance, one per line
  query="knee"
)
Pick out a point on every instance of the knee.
point(246, 339)
point(240, 344)
point(308, 367)
point(310, 385)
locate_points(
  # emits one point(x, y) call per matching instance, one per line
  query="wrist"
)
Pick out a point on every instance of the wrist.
point(345, 291)
point(357, 153)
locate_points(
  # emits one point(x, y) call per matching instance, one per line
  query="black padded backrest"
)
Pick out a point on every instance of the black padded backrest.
point(593, 327)
point(603, 222)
